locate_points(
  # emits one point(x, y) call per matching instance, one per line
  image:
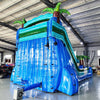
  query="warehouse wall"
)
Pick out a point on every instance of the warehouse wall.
point(96, 59)
point(80, 51)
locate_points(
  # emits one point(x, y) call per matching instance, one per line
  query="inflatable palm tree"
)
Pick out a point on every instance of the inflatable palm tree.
point(21, 22)
point(56, 11)
point(81, 58)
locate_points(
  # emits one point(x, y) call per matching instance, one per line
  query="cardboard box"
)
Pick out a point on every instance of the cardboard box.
point(98, 72)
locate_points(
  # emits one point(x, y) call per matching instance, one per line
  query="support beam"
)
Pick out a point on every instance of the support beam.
point(86, 53)
point(89, 22)
point(50, 4)
point(1, 56)
point(87, 13)
point(8, 26)
point(89, 29)
point(94, 42)
point(14, 56)
point(77, 46)
point(7, 49)
point(8, 42)
point(84, 19)
point(89, 26)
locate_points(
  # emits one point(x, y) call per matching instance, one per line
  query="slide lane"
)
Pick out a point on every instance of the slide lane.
point(59, 32)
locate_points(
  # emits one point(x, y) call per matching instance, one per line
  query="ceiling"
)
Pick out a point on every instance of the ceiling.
point(85, 19)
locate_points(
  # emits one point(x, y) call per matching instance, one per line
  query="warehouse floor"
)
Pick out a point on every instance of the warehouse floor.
point(90, 90)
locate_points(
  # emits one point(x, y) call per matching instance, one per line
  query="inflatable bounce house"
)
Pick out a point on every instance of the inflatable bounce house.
point(45, 57)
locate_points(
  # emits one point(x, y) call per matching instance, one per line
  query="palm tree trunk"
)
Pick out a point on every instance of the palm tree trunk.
point(22, 25)
point(56, 14)
point(82, 62)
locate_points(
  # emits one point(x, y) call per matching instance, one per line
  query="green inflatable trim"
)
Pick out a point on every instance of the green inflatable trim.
point(35, 36)
point(37, 31)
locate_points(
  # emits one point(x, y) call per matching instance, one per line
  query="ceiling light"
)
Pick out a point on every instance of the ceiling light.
point(81, 43)
point(7, 56)
point(69, 28)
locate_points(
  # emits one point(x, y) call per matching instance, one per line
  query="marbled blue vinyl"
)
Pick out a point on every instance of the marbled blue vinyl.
point(53, 65)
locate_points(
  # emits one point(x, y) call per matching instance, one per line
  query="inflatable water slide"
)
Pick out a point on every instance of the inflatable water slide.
point(45, 55)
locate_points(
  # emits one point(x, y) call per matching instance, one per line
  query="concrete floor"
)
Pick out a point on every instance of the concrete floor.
point(88, 90)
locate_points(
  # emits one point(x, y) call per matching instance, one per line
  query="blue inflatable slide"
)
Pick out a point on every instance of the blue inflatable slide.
point(45, 55)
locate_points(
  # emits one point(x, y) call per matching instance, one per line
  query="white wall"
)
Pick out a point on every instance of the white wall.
point(96, 61)
point(79, 51)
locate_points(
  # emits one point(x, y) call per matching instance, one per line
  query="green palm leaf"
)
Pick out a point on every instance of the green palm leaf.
point(64, 11)
point(24, 21)
point(86, 57)
point(20, 22)
point(81, 57)
point(48, 10)
point(57, 7)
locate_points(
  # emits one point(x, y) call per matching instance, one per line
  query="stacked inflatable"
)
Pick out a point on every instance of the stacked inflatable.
point(44, 54)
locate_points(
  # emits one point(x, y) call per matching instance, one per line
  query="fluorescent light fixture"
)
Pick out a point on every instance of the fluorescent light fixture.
point(81, 43)
point(8, 56)
point(69, 28)
point(75, 53)
point(98, 52)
